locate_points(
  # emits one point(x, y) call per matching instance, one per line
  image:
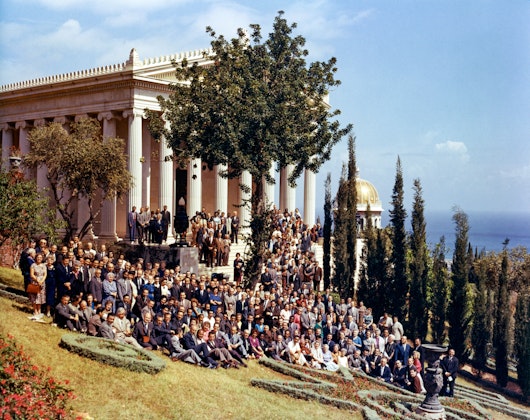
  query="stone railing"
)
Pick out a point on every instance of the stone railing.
point(98, 71)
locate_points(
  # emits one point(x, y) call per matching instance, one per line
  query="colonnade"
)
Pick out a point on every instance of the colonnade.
point(131, 125)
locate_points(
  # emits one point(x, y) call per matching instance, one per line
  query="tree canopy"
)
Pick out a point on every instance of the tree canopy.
point(79, 164)
point(257, 103)
point(25, 214)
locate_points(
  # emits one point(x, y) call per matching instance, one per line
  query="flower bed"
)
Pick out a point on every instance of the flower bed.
point(112, 353)
point(28, 391)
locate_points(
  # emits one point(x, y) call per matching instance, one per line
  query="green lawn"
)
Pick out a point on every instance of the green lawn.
point(11, 277)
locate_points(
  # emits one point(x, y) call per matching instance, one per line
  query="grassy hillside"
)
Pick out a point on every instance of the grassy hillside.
point(180, 391)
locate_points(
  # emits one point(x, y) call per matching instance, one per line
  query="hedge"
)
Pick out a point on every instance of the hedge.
point(113, 353)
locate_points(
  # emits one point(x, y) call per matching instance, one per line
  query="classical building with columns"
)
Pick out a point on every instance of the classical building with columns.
point(117, 96)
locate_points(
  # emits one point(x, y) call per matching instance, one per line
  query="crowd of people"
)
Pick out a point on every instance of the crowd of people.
point(216, 322)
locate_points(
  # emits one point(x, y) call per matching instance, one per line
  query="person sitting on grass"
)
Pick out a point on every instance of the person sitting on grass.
point(65, 317)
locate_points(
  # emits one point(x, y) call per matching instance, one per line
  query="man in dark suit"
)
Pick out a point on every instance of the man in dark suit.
point(450, 368)
point(266, 280)
point(382, 372)
point(234, 227)
point(403, 351)
point(202, 295)
point(143, 332)
point(131, 223)
point(166, 222)
point(189, 341)
point(163, 334)
point(62, 277)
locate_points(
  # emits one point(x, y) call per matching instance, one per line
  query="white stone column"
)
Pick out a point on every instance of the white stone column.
point(147, 169)
point(244, 210)
point(134, 150)
point(166, 190)
point(309, 197)
point(23, 143)
point(287, 193)
point(221, 189)
point(66, 193)
point(108, 211)
point(42, 180)
point(194, 190)
point(7, 143)
point(268, 189)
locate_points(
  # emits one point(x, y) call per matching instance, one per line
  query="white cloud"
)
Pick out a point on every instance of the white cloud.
point(522, 172)
point(457, 148)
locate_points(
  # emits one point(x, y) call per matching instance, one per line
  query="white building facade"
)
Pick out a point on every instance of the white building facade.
point(117, 95)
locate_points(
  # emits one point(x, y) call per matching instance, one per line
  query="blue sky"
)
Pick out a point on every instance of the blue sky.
point(443, 84)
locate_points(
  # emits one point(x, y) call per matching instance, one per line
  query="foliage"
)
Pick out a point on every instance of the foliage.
point(25, 214)
point(375, 269)
point(480, 333)
point(79, 164)
point(419, 267)
point(328, 221)
point(261, 228)
point(397, 287)
point(502, 326)
point(113, 353)
point(340, 251)
point(522, 340)
point(28, 391)
point(345, 232)
point(439, 288)
point(256, 103)
point(458, 316)
point(351, 220)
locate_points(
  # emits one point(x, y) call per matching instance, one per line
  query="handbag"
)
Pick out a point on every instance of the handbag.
point(33, 289)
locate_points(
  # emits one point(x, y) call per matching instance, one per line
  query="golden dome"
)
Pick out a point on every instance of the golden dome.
point(367, 194)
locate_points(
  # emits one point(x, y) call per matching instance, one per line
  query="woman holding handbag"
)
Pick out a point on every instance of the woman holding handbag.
point(37, 288)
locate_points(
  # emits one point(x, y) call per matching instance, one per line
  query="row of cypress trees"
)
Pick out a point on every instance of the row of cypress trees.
point(464, 303)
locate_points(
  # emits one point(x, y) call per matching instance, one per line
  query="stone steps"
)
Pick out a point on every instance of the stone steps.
point(491, 400)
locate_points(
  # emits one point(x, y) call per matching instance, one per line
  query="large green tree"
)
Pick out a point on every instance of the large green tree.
point(458, 313)
point(398, 287)
point(24, 213)
point(419, 267)
point(256, 104)
point(79, 164)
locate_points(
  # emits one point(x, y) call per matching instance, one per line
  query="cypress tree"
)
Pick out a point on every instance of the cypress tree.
point(480, 333)
point(502, 325)
point(398, 285)
point(328, 221)
point(440, 293)
point(340, 252)
point(522, 341)
point(458, 314)
point(419, 269)
point(351, 221)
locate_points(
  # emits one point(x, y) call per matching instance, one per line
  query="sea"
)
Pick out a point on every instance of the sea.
point(487, 230)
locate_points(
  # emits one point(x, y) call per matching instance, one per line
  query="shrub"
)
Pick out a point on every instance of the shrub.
point(28, 391)
point(112, 353)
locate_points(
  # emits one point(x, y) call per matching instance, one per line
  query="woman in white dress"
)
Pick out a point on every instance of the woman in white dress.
point(37, 273)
